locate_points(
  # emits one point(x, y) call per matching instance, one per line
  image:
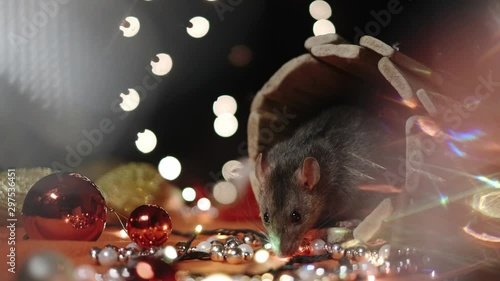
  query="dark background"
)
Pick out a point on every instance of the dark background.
point(65, 78)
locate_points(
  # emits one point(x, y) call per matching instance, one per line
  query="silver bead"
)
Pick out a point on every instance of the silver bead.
point(107, 257)
point(248, 238)
point(247, 251)
point(410, 266)
point(112, 274)
point(400, 252)
point(216, 242)
point(112, 247)
point(385, 251)
point(349, 253)
point(217, 256)
point(234, 256)
point(232, 242)
point(132, 253)
point(318, 246)
point(125, 272)
point(203, 246)
point(409, 251)
point(152, 251)
point(94, 252)
point(216, 247)
point(122, 258)
point(328, 248)
point(392, 268)
point(337, 251)
point(361, 254)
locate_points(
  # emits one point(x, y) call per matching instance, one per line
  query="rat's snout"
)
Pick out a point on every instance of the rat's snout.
point(288, 249)
point(283, 247)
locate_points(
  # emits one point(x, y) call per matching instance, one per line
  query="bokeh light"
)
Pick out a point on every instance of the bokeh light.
point(267, 277)
point(225, 192)
point(130, 26)
point(170, 253)
point(198, 228)
point(320, 10)
point(163, 65)
point(146, 141)
point(169, 168)
point(204, 204)
point(261, 256)
point(130, 101)
point(240, 55)
point(200, 27)
point(189, 194)
point(232, 170)
point(217, 276)
point(225, 125)
point(144, 270)
point(286, 277)
point(322, 27)
point(225, 104)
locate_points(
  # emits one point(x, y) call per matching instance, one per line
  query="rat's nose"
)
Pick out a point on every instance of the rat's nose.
point(287, 249)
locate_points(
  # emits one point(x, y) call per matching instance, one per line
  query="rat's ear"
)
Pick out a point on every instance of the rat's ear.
point(261, 169)
point(310, 174)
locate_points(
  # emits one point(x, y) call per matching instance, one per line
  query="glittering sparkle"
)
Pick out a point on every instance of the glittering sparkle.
point(466, 136)
point(455, 149)
point(444, 199)
point(493, 183)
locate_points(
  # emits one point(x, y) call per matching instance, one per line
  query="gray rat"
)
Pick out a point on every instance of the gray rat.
point(311, 180)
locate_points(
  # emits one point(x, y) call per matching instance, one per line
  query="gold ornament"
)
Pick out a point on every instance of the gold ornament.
point(131, 185)
point(24, 180)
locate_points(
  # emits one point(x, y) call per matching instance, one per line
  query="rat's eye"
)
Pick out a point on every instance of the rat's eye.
point(266, 218)
point(295, 216)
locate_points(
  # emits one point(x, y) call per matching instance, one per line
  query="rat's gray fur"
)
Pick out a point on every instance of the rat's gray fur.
point(341, 139)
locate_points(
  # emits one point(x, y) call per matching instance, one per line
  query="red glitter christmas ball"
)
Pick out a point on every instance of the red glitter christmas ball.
point(149, 225)
point(64, 206)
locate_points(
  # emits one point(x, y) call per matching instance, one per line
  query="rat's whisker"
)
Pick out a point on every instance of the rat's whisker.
point(358, 173)
point(369, 162)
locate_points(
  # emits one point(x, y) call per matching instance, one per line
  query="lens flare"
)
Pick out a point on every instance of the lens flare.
point(493, 183)
point(466, 136)
point(455, 149)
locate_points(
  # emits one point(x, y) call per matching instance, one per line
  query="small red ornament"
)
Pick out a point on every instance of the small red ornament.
point(149, 225)
point(64, 206)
